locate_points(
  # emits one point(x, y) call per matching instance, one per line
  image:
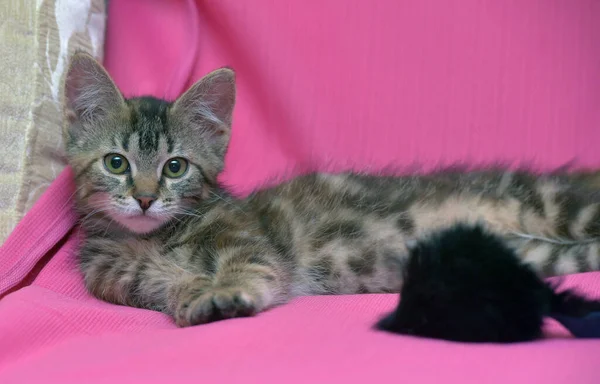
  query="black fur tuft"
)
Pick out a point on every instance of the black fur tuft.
point(465, 284)
point(571, 304)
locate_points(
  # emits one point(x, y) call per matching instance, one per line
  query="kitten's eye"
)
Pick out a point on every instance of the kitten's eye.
point(116, 163)
point(175, 167)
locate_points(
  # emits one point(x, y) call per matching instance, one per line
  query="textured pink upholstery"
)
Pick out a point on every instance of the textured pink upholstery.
point(322, 84)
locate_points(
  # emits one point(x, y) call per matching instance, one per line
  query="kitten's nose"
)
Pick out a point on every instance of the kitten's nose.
point(145, 201)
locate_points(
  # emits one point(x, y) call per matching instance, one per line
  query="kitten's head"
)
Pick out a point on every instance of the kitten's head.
point(141, 162)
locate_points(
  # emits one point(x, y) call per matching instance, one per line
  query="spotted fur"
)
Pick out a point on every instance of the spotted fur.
point(200, 254)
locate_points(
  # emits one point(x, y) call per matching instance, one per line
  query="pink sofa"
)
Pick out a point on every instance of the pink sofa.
point(324, 84)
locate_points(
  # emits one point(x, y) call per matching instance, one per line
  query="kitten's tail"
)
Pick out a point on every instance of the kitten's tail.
point(570, 303)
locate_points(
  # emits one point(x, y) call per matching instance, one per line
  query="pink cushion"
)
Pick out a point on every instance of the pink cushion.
point(325, 84)
point(337, 83)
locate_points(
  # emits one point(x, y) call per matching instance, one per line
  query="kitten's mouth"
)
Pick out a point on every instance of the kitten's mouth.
point(141, 223)
point(141, 215)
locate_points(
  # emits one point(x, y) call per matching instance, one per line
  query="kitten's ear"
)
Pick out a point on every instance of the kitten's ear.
point(207, 107)
point(89, 92)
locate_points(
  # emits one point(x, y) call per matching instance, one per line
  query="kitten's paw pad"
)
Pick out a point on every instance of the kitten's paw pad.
point(216, 304)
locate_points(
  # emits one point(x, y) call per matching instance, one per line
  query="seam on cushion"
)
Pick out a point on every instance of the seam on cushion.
point(30, 256)
point(55, 230)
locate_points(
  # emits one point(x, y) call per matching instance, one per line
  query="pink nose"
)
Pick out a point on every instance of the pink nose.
point(145, 201)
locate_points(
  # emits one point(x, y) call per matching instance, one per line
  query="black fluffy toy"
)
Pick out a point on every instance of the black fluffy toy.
point(465, 284)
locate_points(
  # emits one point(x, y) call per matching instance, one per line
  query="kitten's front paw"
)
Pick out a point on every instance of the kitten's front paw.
point(215, 304)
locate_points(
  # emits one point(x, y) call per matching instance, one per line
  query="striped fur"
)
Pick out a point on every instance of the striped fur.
point(204, 255)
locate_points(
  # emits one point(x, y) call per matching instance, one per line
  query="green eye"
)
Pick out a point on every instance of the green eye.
point(175, 167)
point(116, 163)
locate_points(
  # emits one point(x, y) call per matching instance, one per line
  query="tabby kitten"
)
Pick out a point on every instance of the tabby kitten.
point(162, 234)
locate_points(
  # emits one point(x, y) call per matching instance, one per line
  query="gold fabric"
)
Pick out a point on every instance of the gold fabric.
point(36, 39)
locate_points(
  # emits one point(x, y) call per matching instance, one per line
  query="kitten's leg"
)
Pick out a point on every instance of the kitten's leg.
point(243, 286)
point(245, 280)
point(563, 235)
point(557, 258)
point(133, 272)
point(240, 281)
point(549, 217)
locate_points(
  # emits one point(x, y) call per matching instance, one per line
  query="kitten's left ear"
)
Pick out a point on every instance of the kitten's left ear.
point(207, 107)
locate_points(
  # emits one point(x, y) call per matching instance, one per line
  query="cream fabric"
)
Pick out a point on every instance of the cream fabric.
point(36, 39)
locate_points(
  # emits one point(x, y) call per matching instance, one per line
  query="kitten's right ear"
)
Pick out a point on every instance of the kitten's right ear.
point(207, 108)
point(89, 92)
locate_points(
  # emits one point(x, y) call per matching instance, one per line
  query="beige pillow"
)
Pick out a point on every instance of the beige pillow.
point(36, 40)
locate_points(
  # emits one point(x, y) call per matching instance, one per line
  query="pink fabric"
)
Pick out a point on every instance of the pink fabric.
point(325, 84)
